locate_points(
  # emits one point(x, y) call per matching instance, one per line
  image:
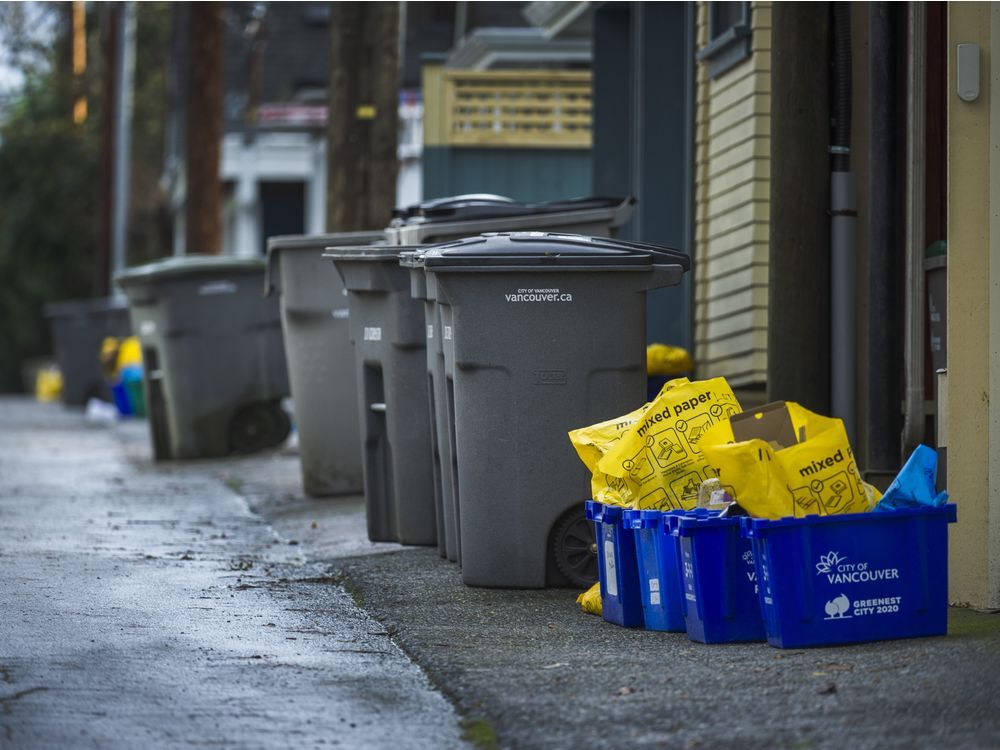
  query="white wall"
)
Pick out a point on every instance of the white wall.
point(278, 157)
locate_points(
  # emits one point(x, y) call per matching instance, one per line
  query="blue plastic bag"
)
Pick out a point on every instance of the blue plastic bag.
point(915, 484)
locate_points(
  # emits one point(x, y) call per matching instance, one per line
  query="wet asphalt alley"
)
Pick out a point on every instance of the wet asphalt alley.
point(142, 605)
point(206, 604)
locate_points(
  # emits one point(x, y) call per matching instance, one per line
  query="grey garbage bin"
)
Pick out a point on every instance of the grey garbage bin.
point(423, 287)
point(387, 328)
point(321, 371)
point(212, 352)
point(463, 216)
point(549, 334)
point(459, 216)
point(78, 329)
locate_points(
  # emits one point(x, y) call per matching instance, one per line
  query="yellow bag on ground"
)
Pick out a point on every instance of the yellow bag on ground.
point(590, 600)
point(117, 354)
point(48, 385)
point(783, 460)
point(109, 356)
point(657, 461)
point(662, 359)
point(593, 442)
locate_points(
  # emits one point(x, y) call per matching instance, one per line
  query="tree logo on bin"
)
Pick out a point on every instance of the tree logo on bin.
point(829, 562)
point(836, 609)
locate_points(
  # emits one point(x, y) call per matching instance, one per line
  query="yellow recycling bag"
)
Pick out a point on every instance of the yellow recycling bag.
point(783, 460)
point(48, 385)
point(662, 359)
point(590, 600)
point(593, 442)
point(657, 462)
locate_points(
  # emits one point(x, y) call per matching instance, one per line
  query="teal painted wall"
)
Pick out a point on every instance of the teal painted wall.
point(644, 139)
point(525, 174)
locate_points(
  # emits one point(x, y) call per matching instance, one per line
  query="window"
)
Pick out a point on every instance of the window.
point(728, 37)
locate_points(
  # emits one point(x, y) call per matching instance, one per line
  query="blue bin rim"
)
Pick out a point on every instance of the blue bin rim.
point(612, 513)
point(602, 512)
point(686, 525)
point(754, 528)
point(672, 517)
point(644, 518)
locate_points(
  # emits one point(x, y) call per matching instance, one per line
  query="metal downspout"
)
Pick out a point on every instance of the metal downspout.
point(913, 354)
point(884, 360)
point(123, 104)
point(843, 233)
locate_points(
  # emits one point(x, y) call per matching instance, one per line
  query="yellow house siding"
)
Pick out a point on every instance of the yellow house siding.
point(732, 209)
point(973, 247)
point(720, 161)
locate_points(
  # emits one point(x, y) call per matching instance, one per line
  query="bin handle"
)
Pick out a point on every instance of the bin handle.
point(669, 274)
point(272, 276)
point(623, 212)
point(378, 408)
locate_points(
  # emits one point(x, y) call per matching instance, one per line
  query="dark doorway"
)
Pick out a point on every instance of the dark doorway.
point(282, 210)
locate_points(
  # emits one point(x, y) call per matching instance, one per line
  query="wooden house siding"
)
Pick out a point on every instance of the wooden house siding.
point(732, 209)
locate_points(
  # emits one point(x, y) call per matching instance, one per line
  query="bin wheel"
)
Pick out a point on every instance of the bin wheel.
point(258, 426)
point(574, 548)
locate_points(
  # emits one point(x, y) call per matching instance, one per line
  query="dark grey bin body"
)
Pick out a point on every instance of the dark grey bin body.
point(214, 362)
point(453, 218)
point(529, 366)
point(321, 369)
point(387, 328)
point(78, 329)
point(445, 471)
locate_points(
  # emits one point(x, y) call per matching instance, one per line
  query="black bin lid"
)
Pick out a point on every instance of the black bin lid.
point(370, 253)
point(542, 250)
point(471, 202)
point(481, 206)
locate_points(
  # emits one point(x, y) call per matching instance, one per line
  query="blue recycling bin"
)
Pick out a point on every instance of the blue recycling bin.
point(851, 578)
point(660, 584)
point(720, 581)
point(621, 601)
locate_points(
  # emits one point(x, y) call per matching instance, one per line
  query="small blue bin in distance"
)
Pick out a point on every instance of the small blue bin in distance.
point(621, 602)
point(851, 578)
point(660, 578)
point(720, 583)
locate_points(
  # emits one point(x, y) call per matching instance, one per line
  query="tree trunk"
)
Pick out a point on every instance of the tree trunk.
point(204, 131)
point(363, 123)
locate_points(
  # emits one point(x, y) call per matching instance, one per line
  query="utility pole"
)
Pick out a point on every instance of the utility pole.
point(111, 18)
point(204, 131)
point(363, 121)
point(79, 60)
point(798, 342)
point(122, 162)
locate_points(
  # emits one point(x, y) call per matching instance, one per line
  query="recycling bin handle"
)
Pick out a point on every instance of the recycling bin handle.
point(378, 408)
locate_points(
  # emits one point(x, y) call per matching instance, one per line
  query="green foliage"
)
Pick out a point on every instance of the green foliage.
point(50, 177)
point(48, 213)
